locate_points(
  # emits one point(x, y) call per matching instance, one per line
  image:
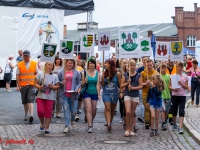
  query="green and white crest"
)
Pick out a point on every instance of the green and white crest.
point(129, 43)
point(49, 50)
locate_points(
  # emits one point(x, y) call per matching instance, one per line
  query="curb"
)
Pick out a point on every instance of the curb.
point(192, 131)
point(195, 135)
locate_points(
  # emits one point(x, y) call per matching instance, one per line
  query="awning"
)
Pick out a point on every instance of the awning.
point(70, 6)
point(188, 51)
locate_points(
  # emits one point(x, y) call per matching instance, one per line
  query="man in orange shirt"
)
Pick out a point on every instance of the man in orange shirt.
point(25, 76)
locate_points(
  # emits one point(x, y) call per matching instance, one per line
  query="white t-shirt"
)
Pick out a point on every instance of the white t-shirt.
point(46, 93)
point(8, 68)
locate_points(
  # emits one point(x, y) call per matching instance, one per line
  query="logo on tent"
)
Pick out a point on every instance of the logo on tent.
point(29, 16)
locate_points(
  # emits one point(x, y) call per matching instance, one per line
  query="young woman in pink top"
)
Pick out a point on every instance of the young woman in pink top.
point(195, 81)
point(178, 98)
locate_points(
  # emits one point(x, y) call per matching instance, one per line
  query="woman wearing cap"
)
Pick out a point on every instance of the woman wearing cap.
point(8, 72)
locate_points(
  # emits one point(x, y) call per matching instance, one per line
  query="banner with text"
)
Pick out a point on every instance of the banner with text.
point(38, 26)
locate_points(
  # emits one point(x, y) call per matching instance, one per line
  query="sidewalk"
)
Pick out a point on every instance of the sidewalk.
point(192, 121)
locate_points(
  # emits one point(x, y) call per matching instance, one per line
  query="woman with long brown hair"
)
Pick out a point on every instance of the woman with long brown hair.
point(111, 81)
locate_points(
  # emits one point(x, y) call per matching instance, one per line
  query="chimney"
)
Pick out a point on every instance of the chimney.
point(65, 31)
point(150, 33)
point(195, 6)
point(173, 20)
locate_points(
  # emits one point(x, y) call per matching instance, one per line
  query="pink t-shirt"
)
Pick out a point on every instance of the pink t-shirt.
point(193, 74)
point(68, 87)
point(181, 91)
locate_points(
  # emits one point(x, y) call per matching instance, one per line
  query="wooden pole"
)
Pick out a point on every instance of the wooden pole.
point(129, 69)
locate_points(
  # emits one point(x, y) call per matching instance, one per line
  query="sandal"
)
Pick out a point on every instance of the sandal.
point(126, 134)
point(135, 128)
point(109, 128)
point(132, 133)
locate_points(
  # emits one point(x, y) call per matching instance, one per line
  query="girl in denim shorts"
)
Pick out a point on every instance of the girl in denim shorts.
point(154, 99)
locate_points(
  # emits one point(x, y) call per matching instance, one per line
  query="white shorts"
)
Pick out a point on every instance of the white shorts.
point(133, 99)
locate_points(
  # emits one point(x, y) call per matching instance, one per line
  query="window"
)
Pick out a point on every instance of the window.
point(191, 40)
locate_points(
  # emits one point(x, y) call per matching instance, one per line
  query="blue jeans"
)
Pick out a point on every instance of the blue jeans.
point(195, 86)
point(70, 108)
point(141, 104)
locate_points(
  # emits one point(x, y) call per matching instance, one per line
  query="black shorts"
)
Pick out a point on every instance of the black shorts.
point(27, 94)
point(178, 103)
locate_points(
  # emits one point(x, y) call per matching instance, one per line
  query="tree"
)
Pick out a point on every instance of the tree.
point(84, 39)
point(134, 36)
point(63, 44)
point(176, 46)
point(123, 36)
point(145, 44)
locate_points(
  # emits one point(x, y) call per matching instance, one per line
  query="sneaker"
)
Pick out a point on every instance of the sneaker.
point(90, 129)
point(197, 105)
point(31, 119)
point(163, 126)
point(156, 133)
point(77, 117)
point(175, 127)
point(42, 128)
point(121, 121)
point(9, 90)
point(146, 125)
point(73, 123)
point(171, 122)
point(47, 131)
point(151, 133)
point(26, 118)
point(66, 130)
point(181, 131)
point(79, 111)
point(140, 119)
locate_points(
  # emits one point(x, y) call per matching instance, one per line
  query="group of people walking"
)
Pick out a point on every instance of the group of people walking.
point(74, 81)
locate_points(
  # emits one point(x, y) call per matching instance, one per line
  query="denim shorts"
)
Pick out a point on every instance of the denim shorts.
point(110, 98)
point(156, 107)
point(93, 97)
point(166, 104)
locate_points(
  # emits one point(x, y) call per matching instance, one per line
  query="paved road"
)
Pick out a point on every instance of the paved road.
point(13, 127)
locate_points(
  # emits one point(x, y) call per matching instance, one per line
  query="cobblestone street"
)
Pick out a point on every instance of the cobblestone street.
point(79, 139)
point(13, 127)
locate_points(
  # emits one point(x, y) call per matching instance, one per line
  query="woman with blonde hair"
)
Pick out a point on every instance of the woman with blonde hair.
point(46, 95)
point(132, 83)
point(70, 80)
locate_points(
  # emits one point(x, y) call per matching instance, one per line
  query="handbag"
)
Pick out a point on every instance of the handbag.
point(198, 79)
point(83, 89)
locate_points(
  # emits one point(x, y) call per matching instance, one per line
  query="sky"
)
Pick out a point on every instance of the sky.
point(112, 13)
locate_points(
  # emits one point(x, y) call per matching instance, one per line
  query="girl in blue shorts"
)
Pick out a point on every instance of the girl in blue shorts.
point(111, 80)
point(154, 99)
point(92, 92)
